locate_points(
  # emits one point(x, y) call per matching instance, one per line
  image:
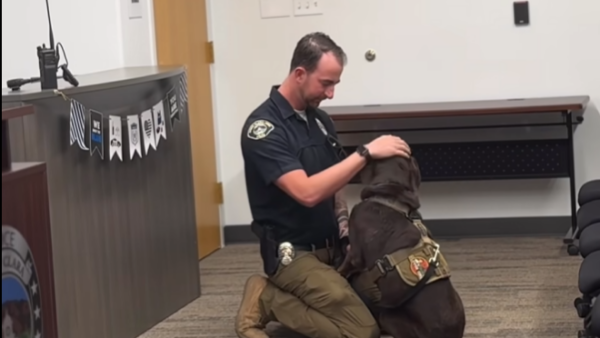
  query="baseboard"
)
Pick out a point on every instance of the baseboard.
point(454, 228)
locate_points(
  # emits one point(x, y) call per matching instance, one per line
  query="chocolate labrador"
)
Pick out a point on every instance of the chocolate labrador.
point(394, 263)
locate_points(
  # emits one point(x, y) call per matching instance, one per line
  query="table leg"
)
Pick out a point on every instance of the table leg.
point(573, 233)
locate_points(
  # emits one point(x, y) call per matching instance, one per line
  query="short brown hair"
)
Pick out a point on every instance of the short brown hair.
point(310, 49)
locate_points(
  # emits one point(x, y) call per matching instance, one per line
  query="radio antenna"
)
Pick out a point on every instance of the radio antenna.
point(50, 25)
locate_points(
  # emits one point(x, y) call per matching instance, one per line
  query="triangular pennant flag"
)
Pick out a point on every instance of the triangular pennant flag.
point(174, 107)
point(183, 87)
point(115, 140)
point(77, 124)
point(96, 135)
point(133, 131)
point(159, 121)
point(148, 131)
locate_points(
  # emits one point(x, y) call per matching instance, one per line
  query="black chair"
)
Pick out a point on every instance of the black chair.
point(588, 214)
point(588, 221)
point(589, 286)
point(588, 192)
point(589, 240)
point(594, 325)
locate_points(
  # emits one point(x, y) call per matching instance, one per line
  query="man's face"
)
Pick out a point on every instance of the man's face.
point(320, 84)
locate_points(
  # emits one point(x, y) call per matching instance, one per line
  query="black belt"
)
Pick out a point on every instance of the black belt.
point(328, 243)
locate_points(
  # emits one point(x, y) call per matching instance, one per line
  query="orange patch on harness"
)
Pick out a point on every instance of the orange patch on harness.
point(419, 266)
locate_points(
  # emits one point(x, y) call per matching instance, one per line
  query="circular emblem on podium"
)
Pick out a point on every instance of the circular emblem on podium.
point(21, 301)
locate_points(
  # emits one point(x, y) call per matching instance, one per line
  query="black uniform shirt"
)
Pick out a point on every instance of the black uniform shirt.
point(276, 140)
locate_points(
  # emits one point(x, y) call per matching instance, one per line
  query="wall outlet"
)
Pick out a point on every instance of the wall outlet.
point(307, 7)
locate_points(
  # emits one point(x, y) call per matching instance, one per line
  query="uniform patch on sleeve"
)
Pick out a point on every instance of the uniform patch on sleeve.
point(260, 129)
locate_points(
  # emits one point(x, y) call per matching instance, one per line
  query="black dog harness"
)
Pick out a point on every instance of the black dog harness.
point(418, 266)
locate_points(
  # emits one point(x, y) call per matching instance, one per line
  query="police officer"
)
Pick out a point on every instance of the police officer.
point(293, 171)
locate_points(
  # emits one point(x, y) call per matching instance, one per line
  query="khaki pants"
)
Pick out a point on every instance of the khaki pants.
point(367, 291)
point(310, 297)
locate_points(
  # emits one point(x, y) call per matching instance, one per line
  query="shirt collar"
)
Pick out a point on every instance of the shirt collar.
point(283, 104)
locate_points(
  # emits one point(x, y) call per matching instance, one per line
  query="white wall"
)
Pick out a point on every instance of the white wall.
point(137, 34)
point(479, 55)
point(96, 34)
point(427, 51)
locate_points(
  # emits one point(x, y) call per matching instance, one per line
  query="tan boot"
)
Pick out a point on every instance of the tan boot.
point(251, 321)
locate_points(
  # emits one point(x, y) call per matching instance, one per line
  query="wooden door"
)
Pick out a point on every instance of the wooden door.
point(182, 39)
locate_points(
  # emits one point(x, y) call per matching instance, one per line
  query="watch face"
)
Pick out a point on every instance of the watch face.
point(362, 150)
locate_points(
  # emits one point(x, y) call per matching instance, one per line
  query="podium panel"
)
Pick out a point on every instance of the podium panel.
point(28, 309)
point(28, 305)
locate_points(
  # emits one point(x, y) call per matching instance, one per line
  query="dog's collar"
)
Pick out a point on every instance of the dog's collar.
point(369, 190)
point(405, 210)
point(400, 207)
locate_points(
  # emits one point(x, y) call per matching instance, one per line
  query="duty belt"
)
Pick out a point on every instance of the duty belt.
point(325, 244)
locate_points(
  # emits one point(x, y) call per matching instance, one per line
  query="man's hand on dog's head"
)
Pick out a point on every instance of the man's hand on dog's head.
point(388, 146)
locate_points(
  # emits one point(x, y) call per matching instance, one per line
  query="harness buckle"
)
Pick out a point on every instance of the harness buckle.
point(384, 265)
point(414, 215)
point(434, 260)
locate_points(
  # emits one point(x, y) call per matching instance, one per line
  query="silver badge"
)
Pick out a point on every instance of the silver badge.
point(286, 253)
point(322, 127)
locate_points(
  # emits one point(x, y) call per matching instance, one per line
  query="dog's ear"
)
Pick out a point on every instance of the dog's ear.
point(367, 174)
point(403, 179)
point(415, 176)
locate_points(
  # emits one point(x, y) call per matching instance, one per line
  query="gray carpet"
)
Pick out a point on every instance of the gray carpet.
point(511, 287)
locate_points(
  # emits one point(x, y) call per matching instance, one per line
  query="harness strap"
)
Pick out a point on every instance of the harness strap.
point(405, 211)
point(401, 208)
point(389, 263)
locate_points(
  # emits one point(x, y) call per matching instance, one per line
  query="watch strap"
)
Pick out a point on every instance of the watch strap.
point(364, 152)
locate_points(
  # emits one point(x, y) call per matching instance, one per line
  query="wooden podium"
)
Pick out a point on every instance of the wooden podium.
point(28, 304)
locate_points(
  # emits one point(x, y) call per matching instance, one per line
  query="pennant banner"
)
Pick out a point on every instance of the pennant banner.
point(115, 145)
point(148, 127)
point(148, 131)
point(183, 88)
point(135, 142)
point(159, 121)
point(173, 104)
point(77, 124)
point(96, 135)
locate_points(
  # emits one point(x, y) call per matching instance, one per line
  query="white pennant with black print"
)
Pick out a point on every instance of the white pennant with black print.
point(135, 141)
point(159, 121)
point(115, 140)
point(148, 131)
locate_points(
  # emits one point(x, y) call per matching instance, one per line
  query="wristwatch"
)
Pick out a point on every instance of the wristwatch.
point(364, 152)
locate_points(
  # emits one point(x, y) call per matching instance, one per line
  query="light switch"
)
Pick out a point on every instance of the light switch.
point(307, 7)
point(275, 8)
point(135, 9)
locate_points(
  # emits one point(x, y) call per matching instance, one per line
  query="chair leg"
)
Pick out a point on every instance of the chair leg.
point(583, 305)
point(584, 334)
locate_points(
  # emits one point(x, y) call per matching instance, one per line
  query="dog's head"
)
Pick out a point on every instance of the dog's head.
point(396, 177)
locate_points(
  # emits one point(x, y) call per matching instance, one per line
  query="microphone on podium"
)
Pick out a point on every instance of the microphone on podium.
point(16, 84)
